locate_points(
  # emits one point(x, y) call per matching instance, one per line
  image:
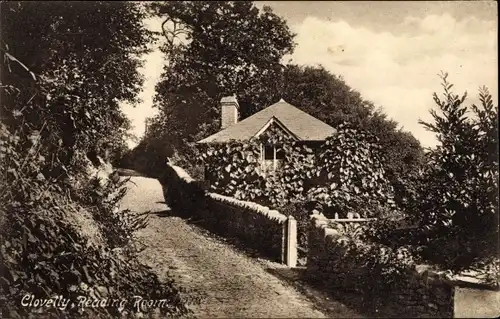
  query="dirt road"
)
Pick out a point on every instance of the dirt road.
point(229, 283)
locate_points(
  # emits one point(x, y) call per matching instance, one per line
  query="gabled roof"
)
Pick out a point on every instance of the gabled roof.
point(298, 122)
point(275, 122)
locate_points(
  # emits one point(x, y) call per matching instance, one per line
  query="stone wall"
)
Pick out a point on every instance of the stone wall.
point(424, 294)
point(268, 231)
point(392, 287)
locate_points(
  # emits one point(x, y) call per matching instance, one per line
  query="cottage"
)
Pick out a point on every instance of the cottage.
point(286, 118)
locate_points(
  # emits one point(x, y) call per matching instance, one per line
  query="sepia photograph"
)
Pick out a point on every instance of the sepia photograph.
point(249, 159)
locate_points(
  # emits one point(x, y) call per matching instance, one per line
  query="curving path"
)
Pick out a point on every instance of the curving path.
point(229, 283)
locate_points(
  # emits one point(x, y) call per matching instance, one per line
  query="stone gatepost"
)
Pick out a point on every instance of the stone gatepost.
point(289, 251)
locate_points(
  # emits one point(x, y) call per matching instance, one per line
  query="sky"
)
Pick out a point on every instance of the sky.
point(391, 52)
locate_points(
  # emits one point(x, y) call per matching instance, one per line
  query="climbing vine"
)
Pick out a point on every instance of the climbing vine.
point(344, 174)
point(351, 175)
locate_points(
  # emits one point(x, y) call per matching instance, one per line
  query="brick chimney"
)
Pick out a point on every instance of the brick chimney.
point(229, 111)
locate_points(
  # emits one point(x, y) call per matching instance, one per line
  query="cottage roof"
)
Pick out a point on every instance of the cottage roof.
point(298, 122)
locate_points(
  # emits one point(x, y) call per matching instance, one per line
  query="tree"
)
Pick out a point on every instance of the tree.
point(232, 48)
point(71, 67)
point(65, 68)
point(459, 200)
point(327, 97)
point(324, 95)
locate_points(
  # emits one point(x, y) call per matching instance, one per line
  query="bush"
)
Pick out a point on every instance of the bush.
point(44, 256)
point(148, 157)
point(47, 249)
point(102, 199)
point(350, 262)
point(458, 202)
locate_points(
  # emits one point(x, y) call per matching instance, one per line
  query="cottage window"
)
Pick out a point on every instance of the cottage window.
point(280, 154)
point(273, 153)
point(269, 152)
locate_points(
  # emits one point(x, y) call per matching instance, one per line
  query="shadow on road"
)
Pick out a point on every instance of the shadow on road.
point(348, 306)
point(164, 213)
point(125, 172)
point(209, 229)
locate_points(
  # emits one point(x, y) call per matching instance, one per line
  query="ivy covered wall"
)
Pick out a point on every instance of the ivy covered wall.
point(342, 174)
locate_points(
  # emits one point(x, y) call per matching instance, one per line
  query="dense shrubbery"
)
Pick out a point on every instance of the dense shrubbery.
point(366, 266)
point(61, 231)
point(384, 267)
point(148, 157)
point(376, 279)
point(48, 248)
point(45, 256)
point(454, 208)
point(102, 198)
point(458, 203)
